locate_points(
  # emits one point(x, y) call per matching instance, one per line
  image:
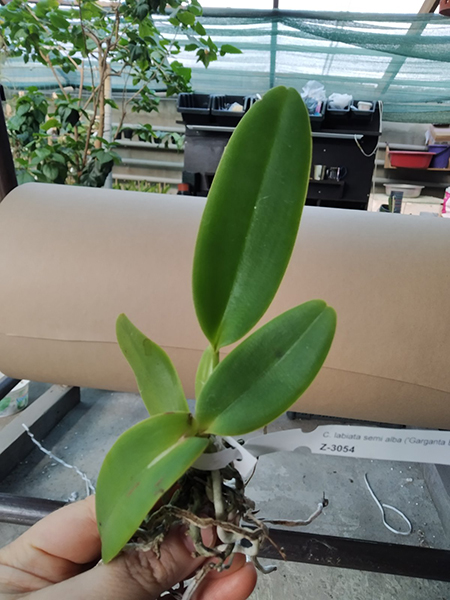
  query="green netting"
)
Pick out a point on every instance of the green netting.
point(402, 60)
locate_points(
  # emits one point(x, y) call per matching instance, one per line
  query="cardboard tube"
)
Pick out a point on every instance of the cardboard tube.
point(72, 259)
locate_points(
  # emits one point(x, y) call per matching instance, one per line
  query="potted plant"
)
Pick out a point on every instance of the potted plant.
point(245, 240)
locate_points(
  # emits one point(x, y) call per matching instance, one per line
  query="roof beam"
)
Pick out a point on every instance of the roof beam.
point(429, 6)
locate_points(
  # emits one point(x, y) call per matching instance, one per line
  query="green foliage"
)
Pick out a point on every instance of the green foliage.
point(245, 240)
point(142, 186)
point(207, 364)
point(96, 171)
point(97, 42)
point(31, 110)
point(146, 133)
point(49, 146)
point(141, 466)
point(267, 372)
point(250, 222)
point(158, 382)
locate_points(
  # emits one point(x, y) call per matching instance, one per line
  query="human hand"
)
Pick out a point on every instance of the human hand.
point(55, 560)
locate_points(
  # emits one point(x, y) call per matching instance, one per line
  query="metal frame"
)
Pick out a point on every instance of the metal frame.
point(310, 548)
point(361, 555)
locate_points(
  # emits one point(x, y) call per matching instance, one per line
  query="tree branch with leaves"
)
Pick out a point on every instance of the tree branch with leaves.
point(137, 41)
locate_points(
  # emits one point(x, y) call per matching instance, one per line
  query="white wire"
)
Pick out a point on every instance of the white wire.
point(376, 147)
point(382, 508)
point(362, 150)
point(90, 489)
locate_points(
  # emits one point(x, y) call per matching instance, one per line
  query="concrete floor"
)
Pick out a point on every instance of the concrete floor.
point(285, 485)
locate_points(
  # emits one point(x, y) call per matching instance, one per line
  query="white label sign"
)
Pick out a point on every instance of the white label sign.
point(411, 445)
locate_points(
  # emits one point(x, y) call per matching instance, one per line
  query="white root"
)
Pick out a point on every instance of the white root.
point(299, 522)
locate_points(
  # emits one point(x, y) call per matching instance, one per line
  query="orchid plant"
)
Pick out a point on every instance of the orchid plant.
point(149, 479)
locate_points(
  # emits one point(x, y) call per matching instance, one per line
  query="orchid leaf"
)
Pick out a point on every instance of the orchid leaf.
point(158, 382)
point(141, 466)
point(250, 222)
point(267, 372)
point(207, 364)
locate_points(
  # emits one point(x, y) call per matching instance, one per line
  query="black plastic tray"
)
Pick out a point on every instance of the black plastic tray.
point(195, 108)
point(362, 115)
point(336, 117)
point(317, 119)
point(220, 112)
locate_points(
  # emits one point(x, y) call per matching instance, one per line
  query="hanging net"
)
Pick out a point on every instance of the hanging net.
point(402, 60)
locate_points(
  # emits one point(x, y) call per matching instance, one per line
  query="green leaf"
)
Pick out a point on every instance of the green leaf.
point(157, 379)
point(146, 27)
point(58, 21)
point(141, 466)
point(23, 109)
point(44, 6)
point(56, 157)
point(186, 18)
point(211, 45)
point(251, 218)
point(90, 44)
point(43, 153)
point(229, 49)
point(190, 47)
point(207, 364)
point(50, 123)
point(50, 171)
point(181, 71)
point(24, 177)
point(104, 157)
point(198, 27)
point(267, 372)
point(195, 10)
point(15, 123)
point(142, 11)
point(19, 34)
point(111, 103)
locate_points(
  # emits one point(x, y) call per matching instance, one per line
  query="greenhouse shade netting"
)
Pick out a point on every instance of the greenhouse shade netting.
point(402, 60)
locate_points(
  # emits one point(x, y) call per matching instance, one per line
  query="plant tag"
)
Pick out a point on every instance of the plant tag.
point(246, 462)
point(216, 460)
point(380, 443)
point(243, 460)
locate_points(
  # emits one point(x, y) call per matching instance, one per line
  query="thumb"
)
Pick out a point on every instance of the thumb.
point(134, 575)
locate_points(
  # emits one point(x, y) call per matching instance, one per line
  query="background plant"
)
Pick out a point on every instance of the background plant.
point(142, 186)
point(95, 42)
point(245, 240)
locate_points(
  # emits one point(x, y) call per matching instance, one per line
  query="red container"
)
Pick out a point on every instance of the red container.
point(410, 160)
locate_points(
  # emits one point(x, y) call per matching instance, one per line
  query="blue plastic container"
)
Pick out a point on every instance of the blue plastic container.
point(441, 156)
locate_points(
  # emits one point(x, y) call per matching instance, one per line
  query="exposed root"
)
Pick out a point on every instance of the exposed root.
point(194, 533)
point(299, 522)
point(204, 500)
point(261, 568)
point(250, 518)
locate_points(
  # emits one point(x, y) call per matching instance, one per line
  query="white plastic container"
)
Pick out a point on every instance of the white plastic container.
point(409, 191)
point(15, 400)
